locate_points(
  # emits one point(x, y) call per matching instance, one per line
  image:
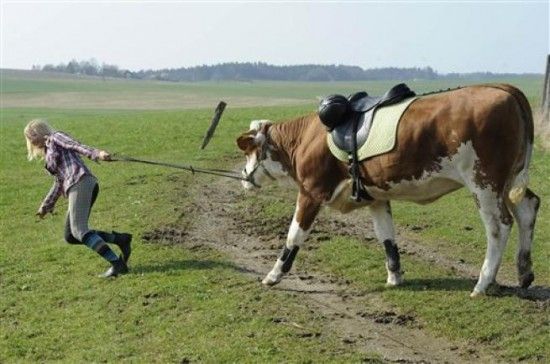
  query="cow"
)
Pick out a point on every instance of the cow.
point(479, 137)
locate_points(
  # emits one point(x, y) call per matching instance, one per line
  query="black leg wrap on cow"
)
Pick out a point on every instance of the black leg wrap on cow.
point(392, 255)
point(287, 256)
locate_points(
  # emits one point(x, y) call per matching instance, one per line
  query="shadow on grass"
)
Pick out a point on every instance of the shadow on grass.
point(439, 284)
point(189, 264)
point(535, 293)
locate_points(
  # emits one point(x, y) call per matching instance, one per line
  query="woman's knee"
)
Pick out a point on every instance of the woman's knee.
point(71, 239)
point(79, 235)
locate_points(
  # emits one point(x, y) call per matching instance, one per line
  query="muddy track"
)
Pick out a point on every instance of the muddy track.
point(362, 321)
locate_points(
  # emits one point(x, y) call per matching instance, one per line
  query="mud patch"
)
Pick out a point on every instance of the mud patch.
point(251, 239)
point(389, 317)
point(165, 236)
point(325, 228)
point(253, 222)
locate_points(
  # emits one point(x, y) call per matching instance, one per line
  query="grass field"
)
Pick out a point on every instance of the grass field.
point(186, 305)
point(37, 89)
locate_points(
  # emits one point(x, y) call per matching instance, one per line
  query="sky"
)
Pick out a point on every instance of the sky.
point(449, 36)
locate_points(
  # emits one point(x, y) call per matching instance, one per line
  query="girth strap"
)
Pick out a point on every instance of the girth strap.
point(358, 191)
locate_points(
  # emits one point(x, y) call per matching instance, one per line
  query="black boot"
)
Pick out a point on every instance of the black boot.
point(119, 267)
point(124, 240)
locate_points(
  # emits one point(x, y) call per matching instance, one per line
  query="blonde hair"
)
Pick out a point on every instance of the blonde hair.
point(35, 130)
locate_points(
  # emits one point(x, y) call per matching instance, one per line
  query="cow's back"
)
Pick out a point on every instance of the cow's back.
point(487, 118)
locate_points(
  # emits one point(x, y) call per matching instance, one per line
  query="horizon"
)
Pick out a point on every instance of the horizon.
point(449, 37)
point(269, 64)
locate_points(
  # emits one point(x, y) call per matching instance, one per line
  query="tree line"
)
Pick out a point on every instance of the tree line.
point(90, 68)
point(249, 71)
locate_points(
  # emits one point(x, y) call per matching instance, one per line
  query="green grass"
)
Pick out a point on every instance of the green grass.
point(176, 304)
point(196, 305)
point(515, 327)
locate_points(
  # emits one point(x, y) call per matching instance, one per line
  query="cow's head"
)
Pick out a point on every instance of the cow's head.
point(260, 165)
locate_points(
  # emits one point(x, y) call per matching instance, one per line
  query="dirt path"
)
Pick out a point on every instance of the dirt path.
point(360, 320)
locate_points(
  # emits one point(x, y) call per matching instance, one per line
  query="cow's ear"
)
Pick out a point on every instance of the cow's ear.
point(246, 141)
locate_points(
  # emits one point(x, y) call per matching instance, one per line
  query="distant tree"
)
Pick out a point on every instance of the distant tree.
point(317, 74)
point(109, 70)
point(90, 67)
point(248, 71)
point(72, 67)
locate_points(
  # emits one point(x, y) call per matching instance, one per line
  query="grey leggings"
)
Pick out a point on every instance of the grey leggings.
point(81, 197)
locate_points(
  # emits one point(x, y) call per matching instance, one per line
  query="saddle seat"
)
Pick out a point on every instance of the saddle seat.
point(358, 120)
point(342, 135)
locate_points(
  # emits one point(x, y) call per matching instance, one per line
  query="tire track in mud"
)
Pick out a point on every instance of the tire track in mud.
point(361, 320)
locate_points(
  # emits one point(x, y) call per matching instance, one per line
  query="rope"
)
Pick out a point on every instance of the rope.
point(215, 172)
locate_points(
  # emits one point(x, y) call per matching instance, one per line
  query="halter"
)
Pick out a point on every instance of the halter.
point(249, 177)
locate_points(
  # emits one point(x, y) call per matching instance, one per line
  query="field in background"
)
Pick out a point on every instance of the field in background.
point(195, 304)
point(52, 90)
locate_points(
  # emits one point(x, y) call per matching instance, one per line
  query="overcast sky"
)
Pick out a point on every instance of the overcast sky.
point(448, 36)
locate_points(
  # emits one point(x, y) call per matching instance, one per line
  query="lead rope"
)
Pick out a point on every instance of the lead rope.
point(216, 172)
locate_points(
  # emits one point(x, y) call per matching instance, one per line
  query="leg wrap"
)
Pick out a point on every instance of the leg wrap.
point(107, 237)
point(94, 242)
point(287, 256)
point(392, 255)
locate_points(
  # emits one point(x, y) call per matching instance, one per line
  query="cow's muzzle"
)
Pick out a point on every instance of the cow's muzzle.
point(249, 181)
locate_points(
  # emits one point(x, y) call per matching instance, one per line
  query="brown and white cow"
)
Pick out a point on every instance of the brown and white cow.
point(480, 137)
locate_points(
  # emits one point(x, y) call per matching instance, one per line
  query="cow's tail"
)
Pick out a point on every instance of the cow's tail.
point(520, 181)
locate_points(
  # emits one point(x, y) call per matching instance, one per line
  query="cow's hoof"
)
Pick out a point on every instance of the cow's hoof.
point(476, 294)
point(394, 279)
point(526, 280)
point(270, 281)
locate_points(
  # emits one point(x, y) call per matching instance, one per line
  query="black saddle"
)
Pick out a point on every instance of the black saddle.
point(349, 121)
point(353, 130)
point(335, 110)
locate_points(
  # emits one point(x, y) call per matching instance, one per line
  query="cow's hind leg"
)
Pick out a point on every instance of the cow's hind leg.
point(498, 222)
point(383, 228)
point(525, 213)
point(306, 211)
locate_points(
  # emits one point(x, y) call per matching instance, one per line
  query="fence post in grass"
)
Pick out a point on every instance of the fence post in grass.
point(545, 105)
point(214, 123)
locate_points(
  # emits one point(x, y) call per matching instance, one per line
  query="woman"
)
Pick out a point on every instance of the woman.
point(75, 181)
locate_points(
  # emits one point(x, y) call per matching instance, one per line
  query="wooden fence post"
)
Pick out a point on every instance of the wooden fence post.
point(545, 105)
point(214, 123)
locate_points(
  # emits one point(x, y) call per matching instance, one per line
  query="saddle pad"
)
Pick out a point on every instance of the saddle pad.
point(382, 134)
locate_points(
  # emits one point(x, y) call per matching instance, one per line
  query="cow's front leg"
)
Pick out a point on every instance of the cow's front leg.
point(383, 228)
point(306, 211)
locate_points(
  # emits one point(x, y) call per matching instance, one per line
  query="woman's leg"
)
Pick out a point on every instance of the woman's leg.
point(122, 240)
point(80, 201)
point(69, 237)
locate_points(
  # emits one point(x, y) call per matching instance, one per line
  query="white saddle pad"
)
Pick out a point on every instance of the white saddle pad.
point(382, 133)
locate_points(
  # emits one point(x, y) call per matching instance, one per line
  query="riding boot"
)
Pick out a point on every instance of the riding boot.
point(123, 240)
point(118, 267)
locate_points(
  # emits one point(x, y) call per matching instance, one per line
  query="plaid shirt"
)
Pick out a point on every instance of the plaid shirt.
point(64, 163)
